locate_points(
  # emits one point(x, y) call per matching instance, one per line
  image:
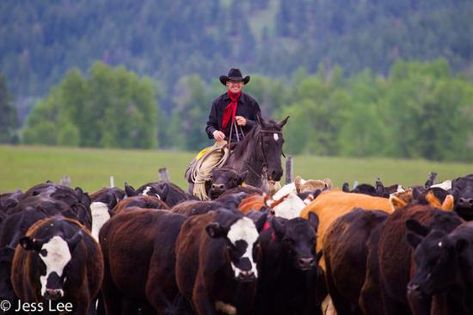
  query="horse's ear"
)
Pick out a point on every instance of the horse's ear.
point(283, 122)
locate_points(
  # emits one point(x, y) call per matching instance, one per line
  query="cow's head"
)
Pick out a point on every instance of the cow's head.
point(462, 190)
point(54, 255)
point(298, 239)
point(240, 246)
point(434, 256)
point(222, 179)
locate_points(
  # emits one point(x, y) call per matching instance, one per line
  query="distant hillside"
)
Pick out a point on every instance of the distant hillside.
point(166, 39)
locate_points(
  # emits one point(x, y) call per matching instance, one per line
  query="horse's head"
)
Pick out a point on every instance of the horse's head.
point(270, 141)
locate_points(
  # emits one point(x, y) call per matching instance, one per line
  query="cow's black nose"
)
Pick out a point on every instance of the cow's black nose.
point(306, 262)
point(218, 186)
point(53, 294)
point(466, 202)
point(247, 275)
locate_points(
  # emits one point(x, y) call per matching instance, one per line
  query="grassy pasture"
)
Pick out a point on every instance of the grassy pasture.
point(24, 166)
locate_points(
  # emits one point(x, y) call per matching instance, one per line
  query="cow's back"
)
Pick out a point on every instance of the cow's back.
point(331, 205)
point(188, 244)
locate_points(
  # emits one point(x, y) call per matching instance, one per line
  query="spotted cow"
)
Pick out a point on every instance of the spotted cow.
point(216, 262)
point(58, 261)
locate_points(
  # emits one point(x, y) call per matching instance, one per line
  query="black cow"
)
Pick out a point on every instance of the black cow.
point(462, 190)
point(379, 190)
point(58, 262)
point(289, 278)
point(443, 268)
point(223, 179)
point(215, 262)
point(53, 198)
point(14, 228)
point(395, 253)
point(168, 192)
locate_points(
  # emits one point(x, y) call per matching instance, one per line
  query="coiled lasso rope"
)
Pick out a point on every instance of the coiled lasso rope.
point(203, 164)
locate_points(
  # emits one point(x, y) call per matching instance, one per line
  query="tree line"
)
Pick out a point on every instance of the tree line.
point(167, 39)
point(417, 110)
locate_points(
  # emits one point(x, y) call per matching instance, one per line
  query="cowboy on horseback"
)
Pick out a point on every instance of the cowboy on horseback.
point(232, 116)
point(233, 113)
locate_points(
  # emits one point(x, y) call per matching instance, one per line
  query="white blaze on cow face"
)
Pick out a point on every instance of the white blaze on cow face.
point(290, 208)
point(147, 190)
point(244, 230)
point(100, 215)
point(56, 257)
point(276, 137)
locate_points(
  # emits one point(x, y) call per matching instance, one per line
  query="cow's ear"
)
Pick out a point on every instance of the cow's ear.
point(448, 203)
point(129, 190)
point(163, 189)
point(416, 192)
point(346, 187)
point(283, 122)
point(396, 202)
point(242, 177)
point(432, 199)
point(416, 227)
point(278, 226)
point(260, 221)
point(215, 230)
point(313, 220)
point(413, 239)
point(29, 243)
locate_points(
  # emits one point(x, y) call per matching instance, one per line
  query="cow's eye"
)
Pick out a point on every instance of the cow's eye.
point(43, 252)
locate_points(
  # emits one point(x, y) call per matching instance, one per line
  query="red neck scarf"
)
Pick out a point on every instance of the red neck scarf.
point(230, 111)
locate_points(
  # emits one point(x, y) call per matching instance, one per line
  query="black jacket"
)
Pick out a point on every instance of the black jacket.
point(247, 107)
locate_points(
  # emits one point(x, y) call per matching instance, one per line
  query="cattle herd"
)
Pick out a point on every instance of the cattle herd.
point(309, 248)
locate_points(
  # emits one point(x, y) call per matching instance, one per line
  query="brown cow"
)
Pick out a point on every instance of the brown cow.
point(139, 255)
point(58, 262)
point(330, 205)
point(215, 262)
point(394, 254)
point(346, 247)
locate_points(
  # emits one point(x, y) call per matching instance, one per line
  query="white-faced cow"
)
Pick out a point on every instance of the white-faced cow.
point(58, 262)
point(216, 262)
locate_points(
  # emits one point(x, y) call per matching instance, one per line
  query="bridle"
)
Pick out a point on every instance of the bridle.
point(259, 142)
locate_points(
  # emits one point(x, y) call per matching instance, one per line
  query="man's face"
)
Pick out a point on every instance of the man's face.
point(234, 87)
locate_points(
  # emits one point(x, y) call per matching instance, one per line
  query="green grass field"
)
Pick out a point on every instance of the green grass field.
point(24, 166)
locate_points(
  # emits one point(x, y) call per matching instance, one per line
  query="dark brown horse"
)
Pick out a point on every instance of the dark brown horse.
point(259, 153)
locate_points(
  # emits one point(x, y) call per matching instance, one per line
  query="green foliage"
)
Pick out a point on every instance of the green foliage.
point(420, 111)
point(112, 108)
point(8, 118)
point(168, 39)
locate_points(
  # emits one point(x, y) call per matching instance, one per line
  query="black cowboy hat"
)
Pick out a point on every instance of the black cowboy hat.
point(234, 75)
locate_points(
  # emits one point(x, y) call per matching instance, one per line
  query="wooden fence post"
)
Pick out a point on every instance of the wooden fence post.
point(163, 174)
point(289, 169)
point(65, 181)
